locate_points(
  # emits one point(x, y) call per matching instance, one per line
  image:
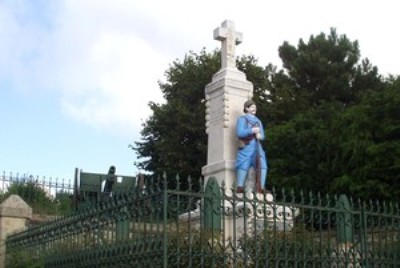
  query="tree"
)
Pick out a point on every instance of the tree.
point(173, 138)
point(303, 152)
point(325, 69)
point(370, 145)
point(322, 81)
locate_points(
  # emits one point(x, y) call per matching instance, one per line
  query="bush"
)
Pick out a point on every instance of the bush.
point(23, 259)
point(39, 200)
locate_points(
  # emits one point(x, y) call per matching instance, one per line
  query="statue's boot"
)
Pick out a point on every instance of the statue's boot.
point(240, 177)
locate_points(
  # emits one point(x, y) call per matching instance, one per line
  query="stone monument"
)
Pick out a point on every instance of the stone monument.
point(225, 96)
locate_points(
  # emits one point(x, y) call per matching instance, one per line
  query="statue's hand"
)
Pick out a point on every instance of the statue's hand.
point(255, 130)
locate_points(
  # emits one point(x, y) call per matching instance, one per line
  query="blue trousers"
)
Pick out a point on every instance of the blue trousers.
point(241, 175)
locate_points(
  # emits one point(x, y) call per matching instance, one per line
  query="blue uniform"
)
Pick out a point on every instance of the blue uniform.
point(247, 156)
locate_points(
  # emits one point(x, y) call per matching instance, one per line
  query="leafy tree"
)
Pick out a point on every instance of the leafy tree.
point(331, 148)
point(322, 85)
point(303, 152)
point(325, 69)
point(283, 102)
point(370, 145)
point(173, 138)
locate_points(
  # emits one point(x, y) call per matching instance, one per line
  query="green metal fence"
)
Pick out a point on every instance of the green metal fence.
point(214, 227)
point(45, 195)
point(50, 185)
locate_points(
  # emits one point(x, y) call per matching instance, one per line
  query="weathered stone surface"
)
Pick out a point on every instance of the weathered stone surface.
point(229, 39)
point(15, 206)
point(14, 212)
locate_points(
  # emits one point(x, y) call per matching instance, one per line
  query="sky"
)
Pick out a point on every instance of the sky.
point(76, 76)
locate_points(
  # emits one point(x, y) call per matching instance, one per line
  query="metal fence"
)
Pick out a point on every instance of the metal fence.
point(48, 184)
point(44, 195)
point(215, 227)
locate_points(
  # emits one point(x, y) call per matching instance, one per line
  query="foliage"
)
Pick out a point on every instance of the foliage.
point(340, 137)
point(173, 138)
point(324, 70)
point(303, 153)
point(333, 149)
point(198, 249)
point(63, 202)
point(23, 259)
point(321, 69)
point(370, 146)
point(39, 200)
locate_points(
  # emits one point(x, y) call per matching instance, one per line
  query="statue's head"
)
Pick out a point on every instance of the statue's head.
point(247, 104)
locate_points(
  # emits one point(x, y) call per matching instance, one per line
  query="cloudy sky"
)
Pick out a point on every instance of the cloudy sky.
point(76, 75)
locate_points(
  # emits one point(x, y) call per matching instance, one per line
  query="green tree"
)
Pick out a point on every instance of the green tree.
point(173, 139)
point(325, 69)
point(370, 145)
point(322, 81)
point(303, 153)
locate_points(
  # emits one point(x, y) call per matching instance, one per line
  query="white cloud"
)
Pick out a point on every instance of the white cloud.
point(104, 58)
point(23, 42)
point(126, 72)
point(103, 70)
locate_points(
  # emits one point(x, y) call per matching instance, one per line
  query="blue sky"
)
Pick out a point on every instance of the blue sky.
point(76, 76)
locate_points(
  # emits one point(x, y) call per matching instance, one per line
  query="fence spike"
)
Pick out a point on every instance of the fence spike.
point(165, 181)
point(292, 194)
point(178, 182)
point(190, 183)
point(201, 182)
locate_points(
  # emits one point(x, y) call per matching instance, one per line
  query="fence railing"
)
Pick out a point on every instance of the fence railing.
point(215, 227)
point(48, 184)
point(44, 195)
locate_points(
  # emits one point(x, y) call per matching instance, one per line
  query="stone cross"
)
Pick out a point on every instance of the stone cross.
point(229, 38)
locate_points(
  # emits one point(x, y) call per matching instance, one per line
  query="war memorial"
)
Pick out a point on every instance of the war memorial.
point(123, 224)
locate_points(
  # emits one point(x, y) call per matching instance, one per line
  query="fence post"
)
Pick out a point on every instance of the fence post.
point(345, 224)
point(165, 222)
point(364, 236)
point(344, 229)
point(212, 205)
point(13, 215)
point(122, 228)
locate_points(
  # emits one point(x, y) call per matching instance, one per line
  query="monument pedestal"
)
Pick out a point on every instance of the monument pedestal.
point(225, 96)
